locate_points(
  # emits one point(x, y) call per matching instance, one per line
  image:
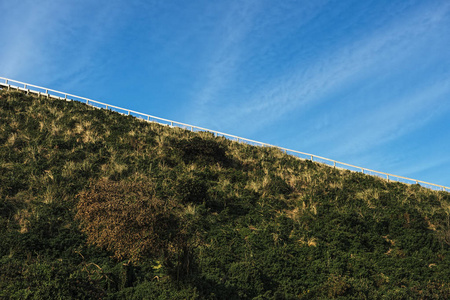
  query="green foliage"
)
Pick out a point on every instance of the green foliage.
point(203, 151)
point(94, 204)
point(192, 189)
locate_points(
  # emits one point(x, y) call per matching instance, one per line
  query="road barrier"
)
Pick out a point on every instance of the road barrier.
point(49, 93)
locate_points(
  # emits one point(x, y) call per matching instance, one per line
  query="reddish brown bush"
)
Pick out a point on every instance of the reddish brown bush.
point(126, 218)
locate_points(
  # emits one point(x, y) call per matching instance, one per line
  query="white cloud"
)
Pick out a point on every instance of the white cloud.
point(22, 38)
point(389, 122)
point(311, 83)
point(224, 61)
point(57, 41)
point(237, 31)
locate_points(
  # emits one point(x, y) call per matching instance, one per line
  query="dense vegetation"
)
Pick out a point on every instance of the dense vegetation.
point(94, 204)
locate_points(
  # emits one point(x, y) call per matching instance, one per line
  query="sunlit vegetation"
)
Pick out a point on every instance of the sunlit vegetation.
point(94, 204)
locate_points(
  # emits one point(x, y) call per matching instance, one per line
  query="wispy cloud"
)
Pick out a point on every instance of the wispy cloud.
point(311, 83)
point(240, 30)
point(57, 42)
point(388, 122)
point(224, 60)
point(22, 36)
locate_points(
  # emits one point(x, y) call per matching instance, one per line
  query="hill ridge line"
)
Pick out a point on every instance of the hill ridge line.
point(50, 93)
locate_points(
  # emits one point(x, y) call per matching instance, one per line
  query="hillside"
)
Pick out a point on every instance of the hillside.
point(94, 204)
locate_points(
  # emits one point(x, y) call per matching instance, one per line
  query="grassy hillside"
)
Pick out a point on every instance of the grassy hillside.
point(94, 204)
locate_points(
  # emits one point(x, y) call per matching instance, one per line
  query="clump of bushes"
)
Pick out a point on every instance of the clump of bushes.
point(200, 150)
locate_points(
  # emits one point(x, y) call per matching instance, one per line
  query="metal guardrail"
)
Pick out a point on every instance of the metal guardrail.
point(49, 93)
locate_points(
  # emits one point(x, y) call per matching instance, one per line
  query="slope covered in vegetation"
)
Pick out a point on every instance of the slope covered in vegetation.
point(94, 204)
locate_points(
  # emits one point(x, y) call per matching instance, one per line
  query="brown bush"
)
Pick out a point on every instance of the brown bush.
point(126, 218)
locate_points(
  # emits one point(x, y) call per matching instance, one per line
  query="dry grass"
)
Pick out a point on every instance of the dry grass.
point(12, 139)
point(190, 210)
point(368, 196)
point(69, 169)
point(90, 136)
point(310, 242)
point(22, 218)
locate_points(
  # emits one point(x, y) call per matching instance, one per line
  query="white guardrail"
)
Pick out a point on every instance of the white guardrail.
point(49, 93)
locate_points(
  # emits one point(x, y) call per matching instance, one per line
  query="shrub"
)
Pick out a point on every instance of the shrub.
point(127, 219)
point(206, 151)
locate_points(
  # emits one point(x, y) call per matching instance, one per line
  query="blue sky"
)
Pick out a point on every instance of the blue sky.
point(363, 82)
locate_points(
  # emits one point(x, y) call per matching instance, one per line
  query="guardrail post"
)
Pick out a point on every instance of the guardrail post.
point(312, 158)
point(334, 164)
point(87, 102)
point(387, 177)
point(128, 112)
point(362, 170)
